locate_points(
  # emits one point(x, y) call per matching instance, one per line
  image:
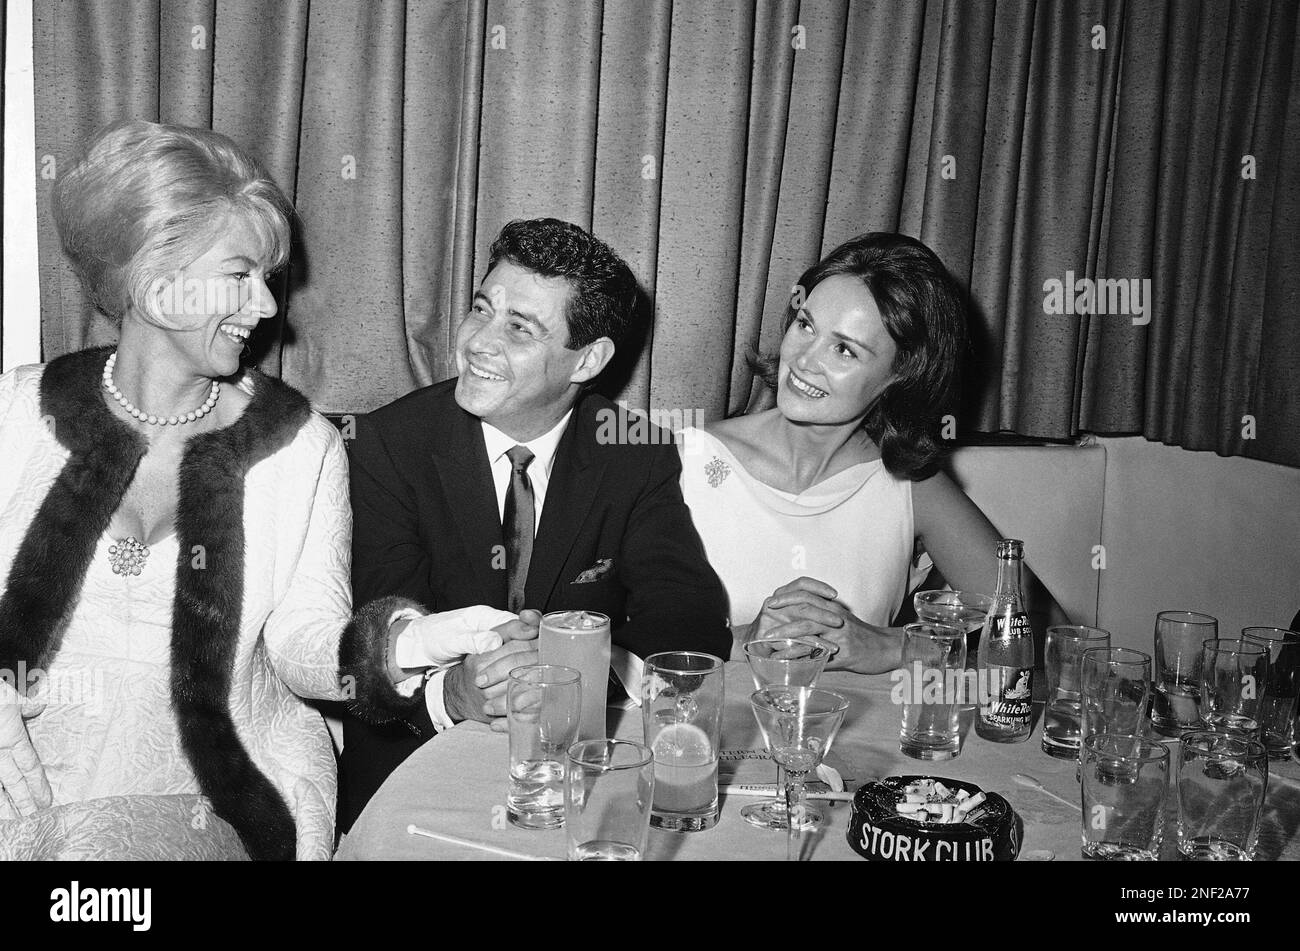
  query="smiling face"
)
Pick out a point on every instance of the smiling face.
point(211, 306)
point(836, 357)
point(516, 372)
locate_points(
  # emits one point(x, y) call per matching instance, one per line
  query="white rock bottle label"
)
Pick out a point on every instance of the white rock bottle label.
point(1011, 702)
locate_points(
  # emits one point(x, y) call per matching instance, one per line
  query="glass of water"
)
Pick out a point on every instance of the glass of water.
point(1179, 639)
point(1125, 788)
point(1279, 707)
point(543, 707)
point(1115, 683)
point(1063, 658)
point(1222, 778)
point(608, 791)
point(933, 681)
point(1234, 681)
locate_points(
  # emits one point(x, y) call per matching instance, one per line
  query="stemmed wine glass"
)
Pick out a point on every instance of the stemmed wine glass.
point(781, 662)
point(799, 724)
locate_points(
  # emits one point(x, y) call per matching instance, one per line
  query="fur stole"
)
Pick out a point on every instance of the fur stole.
point(51, 563)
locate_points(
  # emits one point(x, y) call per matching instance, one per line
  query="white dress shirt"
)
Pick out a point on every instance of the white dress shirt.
point(539, 473)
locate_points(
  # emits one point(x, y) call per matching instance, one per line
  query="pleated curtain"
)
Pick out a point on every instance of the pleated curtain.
point(722, 147)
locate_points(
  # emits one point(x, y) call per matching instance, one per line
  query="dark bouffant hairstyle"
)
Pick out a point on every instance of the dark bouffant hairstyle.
point(924, 311)
point(604, 290)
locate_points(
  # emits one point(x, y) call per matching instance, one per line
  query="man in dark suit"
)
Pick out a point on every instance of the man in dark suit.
point(503, 487)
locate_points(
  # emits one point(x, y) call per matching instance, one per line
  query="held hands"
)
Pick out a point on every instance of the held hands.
point(476, 688)
point(24, 790)
point(807, 607)
point(445, 637)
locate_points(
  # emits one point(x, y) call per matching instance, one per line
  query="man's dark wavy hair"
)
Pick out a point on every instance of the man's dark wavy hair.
point(923, 309)
point(604, 289)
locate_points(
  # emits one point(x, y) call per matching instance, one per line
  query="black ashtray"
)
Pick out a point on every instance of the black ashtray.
point(879, 833)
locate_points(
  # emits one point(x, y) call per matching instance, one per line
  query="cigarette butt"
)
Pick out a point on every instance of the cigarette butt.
point(970, 803)
point(949, 813)
point(908, 808)
point(915, 797)
point(962, 794)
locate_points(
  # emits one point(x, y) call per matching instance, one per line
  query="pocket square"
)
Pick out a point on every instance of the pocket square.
point(597, 571)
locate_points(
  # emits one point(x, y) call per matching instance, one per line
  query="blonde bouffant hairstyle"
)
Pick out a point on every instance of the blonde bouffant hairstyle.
point(146, 199)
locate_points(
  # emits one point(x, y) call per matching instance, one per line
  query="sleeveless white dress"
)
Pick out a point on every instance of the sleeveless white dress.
point(853, 531)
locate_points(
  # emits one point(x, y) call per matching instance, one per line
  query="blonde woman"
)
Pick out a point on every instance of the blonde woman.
point(175, 528)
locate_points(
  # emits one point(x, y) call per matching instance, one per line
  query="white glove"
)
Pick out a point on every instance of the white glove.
point(442, 639)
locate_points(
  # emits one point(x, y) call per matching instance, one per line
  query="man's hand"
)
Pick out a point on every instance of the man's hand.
point(476, 688)
point(807, 607)
point(22, 777)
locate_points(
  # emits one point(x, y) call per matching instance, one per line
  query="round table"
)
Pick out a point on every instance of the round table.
point(455, 785)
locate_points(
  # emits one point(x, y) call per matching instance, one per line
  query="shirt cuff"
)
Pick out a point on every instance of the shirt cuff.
point(435, 702)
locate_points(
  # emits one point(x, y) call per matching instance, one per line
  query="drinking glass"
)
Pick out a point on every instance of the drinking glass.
point(1115, 683)
point(1125, 788)
point(1277, 713)
point(964, 609)
point(1179, 639)
point(681, 707)
point(1234, 680)
point(1063, 658)
point(1222, 778)
point(543, 703)
point(580, 639)
point(799, 725)
point(786, 662)
point(934, 664)
point(608, 792)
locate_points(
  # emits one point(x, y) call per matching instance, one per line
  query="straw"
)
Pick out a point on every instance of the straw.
point(468, 844)
point(1024, 780)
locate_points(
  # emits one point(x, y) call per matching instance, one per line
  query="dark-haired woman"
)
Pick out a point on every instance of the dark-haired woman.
point(821, 514)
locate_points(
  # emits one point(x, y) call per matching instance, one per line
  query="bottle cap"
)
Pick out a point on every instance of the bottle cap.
point(1011, 548)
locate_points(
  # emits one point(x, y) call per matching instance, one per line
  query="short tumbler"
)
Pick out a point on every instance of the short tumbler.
point(1222, 778)
point(932, 682)
point(608, 791)
point(1125, 788)
point(1064, 660)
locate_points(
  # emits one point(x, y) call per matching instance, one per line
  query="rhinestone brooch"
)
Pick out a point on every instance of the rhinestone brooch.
point(716, 470)
point(127, 557)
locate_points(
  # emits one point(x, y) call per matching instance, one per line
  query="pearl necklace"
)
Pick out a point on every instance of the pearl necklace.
point(149, 418)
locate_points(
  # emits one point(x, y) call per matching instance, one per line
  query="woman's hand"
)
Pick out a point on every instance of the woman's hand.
point(22, 778)
point(807, 607)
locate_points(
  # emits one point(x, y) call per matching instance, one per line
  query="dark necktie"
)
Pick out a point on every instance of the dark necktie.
point(518, 526)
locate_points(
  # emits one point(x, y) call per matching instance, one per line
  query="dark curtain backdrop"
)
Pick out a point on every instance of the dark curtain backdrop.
point(723, 146)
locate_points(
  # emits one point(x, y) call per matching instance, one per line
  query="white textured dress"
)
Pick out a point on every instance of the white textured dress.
point(109, 728)
point(853, 531)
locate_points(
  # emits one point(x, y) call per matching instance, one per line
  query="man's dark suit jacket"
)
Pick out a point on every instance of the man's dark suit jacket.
point(426, 525)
